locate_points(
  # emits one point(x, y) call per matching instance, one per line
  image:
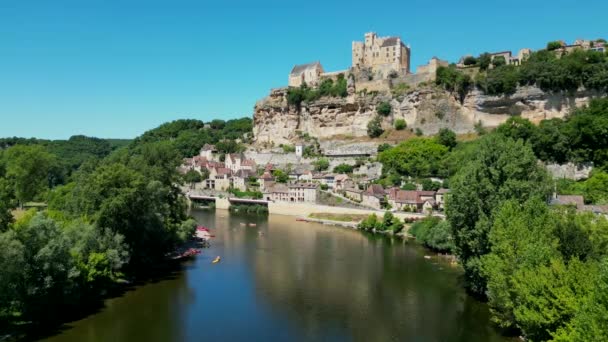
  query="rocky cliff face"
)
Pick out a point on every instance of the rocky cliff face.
point(427, 108)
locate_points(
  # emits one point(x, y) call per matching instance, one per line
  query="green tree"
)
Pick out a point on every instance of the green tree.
point(447, 138)
point(517, 128)
point(280, 176)
point(384, 108)
point(417, 157)
point(590, 323)
point(374, 127)
point(554, 45)
point(400, 124)
point(321, 164)
point(383, 147)
point(484, 61)
point(192, 177)
point(343, 168)
point(28, 168)
point(501, 169)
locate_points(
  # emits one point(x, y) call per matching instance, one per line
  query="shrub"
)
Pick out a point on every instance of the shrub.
point(324, 186)
point(384, 108)
point(343, 168)
point(383, 147)
point(469, 60)
point(400, 124)
point(288, 148)
point(374, 127)
point(433, 233)
point(419, 132)
point(321, 164)
point(554, 45)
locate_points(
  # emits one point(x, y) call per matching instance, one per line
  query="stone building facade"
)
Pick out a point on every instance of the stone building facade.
point(383, 54)
point(305, 73)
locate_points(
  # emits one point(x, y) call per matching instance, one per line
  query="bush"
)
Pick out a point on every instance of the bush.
point(321, 164)
point(383, 147)
point(288, 148)
point(400, 124)
point(419, 132)
point(433, 233)
point(374, 127)
point(469, 60)
point(324, 186)
point(343, 168)
point(452, 79)
point(384, 108)
point(554, 45)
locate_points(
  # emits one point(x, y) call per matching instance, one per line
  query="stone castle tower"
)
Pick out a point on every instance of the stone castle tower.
point(383, 54)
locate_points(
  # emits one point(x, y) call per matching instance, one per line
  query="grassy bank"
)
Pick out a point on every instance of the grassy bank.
point(338, 217)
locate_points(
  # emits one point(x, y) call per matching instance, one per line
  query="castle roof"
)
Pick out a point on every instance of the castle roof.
point(299, 69)
point(390, 41)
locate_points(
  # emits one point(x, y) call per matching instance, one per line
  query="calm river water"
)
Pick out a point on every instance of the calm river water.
point(291, 281)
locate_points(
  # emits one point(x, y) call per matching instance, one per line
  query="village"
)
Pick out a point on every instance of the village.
point(239, 176)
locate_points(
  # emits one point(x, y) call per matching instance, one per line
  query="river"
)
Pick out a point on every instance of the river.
point(293, 281)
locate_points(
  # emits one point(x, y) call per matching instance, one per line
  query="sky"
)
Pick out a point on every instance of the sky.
point(116, 68)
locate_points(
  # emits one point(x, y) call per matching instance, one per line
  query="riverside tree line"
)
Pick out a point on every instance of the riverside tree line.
point(543, 269)
point(113, 212)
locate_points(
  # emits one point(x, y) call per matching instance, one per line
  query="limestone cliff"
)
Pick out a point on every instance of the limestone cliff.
point(428, 108)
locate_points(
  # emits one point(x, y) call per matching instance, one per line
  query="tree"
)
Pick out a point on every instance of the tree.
point(7, 203)
point(447, 138)
point(590, 323)
point(192, 176)
point(400, 124)
point(417, 157)
point(517, 128)
point(384, 108)
point(374, 127)
point(383, 147)
point(498, 61)
point(469, 60)
point(280, 176)
point(554, 45)
point(28, 169)
point(430, 185)
point(343, 168)
point(484, 61)
point(321, 164)
point(501, 169)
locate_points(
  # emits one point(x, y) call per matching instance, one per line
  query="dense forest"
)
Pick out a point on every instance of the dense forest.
point(543, 269)
point(114, 210)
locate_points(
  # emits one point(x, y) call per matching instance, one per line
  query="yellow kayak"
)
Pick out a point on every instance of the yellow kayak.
point(216, 260)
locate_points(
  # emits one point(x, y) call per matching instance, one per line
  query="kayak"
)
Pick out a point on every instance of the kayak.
point(216, 260)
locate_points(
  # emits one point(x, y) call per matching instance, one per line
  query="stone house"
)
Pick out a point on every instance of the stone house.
point(236, 162)
point(265, 179)
point(241, 178)
point(208, 151)
point(324, 178)
point(440, 198)
point(340, 182)
point(374, 196)
point(412, 200)
point(222, 179)
point(295, 193)
point(305, 73)
point(354, 194)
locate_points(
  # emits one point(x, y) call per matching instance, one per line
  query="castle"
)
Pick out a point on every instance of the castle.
point(384, 54)
point(381, 55)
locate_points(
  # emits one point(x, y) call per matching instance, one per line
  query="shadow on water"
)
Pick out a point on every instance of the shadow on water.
point(61, 320)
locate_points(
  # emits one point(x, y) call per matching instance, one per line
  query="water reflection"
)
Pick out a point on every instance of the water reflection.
point(284, 280)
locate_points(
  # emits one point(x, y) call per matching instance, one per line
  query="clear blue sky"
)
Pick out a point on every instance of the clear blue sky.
point(116, 68)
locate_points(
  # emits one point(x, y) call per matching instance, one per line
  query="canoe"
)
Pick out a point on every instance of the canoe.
point(216, 260)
